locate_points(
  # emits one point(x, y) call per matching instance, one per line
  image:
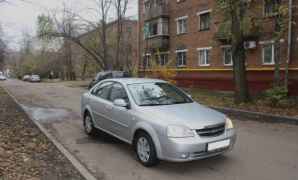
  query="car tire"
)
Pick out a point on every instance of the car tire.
point(145, 150)
point(89, 128)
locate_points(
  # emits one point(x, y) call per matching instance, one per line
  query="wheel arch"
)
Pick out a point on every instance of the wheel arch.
point(144, 127)
point(86, 110)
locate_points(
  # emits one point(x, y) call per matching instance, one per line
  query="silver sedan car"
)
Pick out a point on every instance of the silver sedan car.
point(161, 121)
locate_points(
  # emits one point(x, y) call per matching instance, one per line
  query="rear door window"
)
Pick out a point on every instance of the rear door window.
point(102, 90)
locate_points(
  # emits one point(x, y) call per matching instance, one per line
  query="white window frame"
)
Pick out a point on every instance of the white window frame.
point(205, 55)
point(163, 53)
point(199, 17)
point(224, 57)
point(184, 60)
point(147, 63)
point(178, 27)
point(272, 54)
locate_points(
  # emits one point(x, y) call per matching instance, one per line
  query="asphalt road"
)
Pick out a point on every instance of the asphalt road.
point(262, 152)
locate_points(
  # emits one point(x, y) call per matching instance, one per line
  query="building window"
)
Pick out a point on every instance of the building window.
point(157, 27)
point(268, 54)
point(162, 59)
point(182, 25)
point(204, 20)
point(227, 55)
point(181, 57)
point(204, 56)
point(271, 7)
point(153, 28)
point(147, 5)
point(146, 61)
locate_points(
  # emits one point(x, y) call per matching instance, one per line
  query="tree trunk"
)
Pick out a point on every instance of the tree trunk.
point(84, 69)
point(241, 88)
point(239, 57)
point(289, 49)
point(277, 65)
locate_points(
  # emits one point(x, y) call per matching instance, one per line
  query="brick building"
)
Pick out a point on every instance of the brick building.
point(187, 35)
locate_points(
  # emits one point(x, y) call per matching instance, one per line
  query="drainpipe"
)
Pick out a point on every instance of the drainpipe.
point(289, 43)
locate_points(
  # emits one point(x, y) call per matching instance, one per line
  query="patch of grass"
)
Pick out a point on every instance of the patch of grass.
point(286, 107)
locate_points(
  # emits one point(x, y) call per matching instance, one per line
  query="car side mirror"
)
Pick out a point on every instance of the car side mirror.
point(188, 95)
point(121, 103)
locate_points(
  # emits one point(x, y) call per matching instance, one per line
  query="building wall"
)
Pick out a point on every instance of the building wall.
point(217, 75)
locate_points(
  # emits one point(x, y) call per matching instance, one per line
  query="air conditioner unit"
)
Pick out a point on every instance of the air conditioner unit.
point(250, 44)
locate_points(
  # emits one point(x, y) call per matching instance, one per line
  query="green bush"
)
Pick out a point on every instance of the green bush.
point(276, 95)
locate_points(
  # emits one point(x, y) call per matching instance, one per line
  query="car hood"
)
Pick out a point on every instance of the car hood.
point(192, 115)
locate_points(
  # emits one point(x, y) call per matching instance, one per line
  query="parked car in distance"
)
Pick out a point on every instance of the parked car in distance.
point(26, 77)
point(107, 75)
point(35, 78)
point(2, 77)
point(158, 119)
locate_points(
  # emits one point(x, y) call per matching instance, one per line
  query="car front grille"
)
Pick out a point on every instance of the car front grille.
point(211, 131)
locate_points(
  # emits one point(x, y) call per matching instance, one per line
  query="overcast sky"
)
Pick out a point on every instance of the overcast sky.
point(18, 17)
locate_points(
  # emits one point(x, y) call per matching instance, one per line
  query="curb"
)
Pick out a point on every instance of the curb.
point(73, 160)
point(257, 116)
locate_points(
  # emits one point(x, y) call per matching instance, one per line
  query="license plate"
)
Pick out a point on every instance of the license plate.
point(218, 145)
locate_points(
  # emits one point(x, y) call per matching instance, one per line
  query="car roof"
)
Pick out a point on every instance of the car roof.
point(135, 80)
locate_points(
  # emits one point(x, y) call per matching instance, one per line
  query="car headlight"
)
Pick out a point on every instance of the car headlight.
point(229, 123)
point(175, 131)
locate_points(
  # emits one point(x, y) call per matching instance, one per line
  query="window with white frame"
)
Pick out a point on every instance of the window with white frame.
point(268, 54)
point(227, 55)
point(163, 59)
point(147, 5)
point(146, 62)
point(181, 57)
point(155, 28)
point(204, 20)
point(204, 56)
point(182, 25)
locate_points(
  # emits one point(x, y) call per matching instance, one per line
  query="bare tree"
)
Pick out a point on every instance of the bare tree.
point(121, 8)
point(2, 54)
point(56, 27)
point(2, 50)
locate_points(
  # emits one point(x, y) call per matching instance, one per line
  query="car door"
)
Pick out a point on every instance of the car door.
point(120, 116)
point(99, 102)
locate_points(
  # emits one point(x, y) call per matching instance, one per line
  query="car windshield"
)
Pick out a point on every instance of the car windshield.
point(157, 94)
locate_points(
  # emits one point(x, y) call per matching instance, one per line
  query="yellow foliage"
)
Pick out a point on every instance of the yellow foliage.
point(162, 71)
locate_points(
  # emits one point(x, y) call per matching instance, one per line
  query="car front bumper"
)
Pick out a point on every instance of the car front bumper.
point(195, 148)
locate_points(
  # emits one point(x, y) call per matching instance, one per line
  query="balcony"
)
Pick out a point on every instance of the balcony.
point(160, 42)
point(156, 11)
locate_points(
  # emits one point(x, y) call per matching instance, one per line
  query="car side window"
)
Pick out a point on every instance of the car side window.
point(102, 90)
point(118, 92)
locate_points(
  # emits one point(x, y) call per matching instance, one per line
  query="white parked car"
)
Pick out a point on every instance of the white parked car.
point(35, 78)
point(2, 77)
point(26, 78)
